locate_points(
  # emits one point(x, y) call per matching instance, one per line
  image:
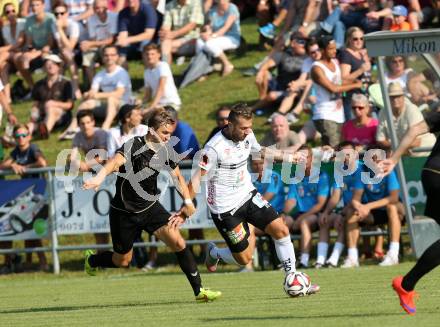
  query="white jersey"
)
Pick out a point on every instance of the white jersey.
point(328, 105)
point(229, 181)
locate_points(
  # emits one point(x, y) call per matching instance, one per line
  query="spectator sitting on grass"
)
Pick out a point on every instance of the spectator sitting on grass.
point(110, 89)
point(136, 27)
point(180, 28)
point(53, 99)
point(158, 80)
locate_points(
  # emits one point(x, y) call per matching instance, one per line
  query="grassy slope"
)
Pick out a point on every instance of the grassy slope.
point(360, 297)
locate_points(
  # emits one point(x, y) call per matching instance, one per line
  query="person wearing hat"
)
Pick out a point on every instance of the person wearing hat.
point(53, 99)
point(288, 63)
point(400, 15)
point(130, 118)
point(405, 115)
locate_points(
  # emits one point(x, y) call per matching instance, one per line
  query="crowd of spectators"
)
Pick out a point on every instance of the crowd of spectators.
point(316, 66)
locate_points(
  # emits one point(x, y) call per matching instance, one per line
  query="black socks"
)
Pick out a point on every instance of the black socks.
point(428, 261)
point(103, 260)
point(188, 265)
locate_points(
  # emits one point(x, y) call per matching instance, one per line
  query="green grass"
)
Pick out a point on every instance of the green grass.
point(360, 297)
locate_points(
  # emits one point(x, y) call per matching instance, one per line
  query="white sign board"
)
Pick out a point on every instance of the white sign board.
point(386, 43)
point(86, 211)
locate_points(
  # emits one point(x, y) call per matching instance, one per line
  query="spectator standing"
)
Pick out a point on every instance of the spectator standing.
point(110, 89)
point(158, 80)
point(405, 115)
point(38, 42)
point(89, 138)
point(13, 38)
point(361, 130)
point(53, 99)
point(328, 114)
point(281, 136)
point(355, 65)
point(102, 27)
point(67, 32)
point(26, 155)
point(136, 28)
point(223, 33)
point(130, 118)
point(180, 28)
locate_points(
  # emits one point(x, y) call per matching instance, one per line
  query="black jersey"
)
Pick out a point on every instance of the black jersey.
point(136, 185)
point(433, 122)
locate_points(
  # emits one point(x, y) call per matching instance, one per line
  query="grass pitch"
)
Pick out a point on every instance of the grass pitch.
point(360, 297)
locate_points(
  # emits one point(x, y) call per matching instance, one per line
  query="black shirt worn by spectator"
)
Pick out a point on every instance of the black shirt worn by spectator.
point(61, 90)
point(346, 57)
point(139, 157)
point(288, 67)
point(433, 121)
point(27, 157)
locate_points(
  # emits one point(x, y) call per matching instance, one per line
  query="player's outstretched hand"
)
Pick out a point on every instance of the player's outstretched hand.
point(92, 183)
point(386, 166)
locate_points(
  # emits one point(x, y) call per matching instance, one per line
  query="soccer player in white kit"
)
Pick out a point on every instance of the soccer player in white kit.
point(233, 200)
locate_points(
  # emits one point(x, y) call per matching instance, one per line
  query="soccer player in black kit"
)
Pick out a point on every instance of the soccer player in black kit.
point(404, 285)
point(135, 206)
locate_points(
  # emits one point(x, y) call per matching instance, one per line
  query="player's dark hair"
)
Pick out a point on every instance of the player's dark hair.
point(159, 117)
point(20, 126)
point(240, 110)
point(222, 108)
point(324, 41)
point(310, 42)
point(84, 113)
point(110, 46)
point(60, 4)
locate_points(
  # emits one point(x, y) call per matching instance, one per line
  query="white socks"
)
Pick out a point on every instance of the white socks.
point(305, 259)
point(322, 252)
point(336, 253)
point(394, 249)
point(223, 253)
point(285, 253)
point(353, 254)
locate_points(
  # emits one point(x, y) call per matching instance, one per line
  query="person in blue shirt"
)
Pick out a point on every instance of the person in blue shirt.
point(308, 197)
point(270, 185)
point(340, 198)
point(375, 203)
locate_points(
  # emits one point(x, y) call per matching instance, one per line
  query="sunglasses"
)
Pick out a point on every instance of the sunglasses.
point(17, 136)
point(59, 13)
point(12, 11)
point(300, 41)
point(358, 39)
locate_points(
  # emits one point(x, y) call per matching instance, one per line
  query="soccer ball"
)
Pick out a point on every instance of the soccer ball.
point(296, 284)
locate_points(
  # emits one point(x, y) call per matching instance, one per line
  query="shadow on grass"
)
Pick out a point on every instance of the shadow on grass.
point(306, 317)
point(88, 307)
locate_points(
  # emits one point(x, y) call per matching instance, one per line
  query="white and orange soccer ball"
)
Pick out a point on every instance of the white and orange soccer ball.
point(296, 284)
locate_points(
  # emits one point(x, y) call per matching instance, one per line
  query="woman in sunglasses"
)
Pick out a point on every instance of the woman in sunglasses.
point(26, 155)
point(355, 64)
point(13, 39)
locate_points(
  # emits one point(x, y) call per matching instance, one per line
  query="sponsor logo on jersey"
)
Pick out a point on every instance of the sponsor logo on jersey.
point(237, 234)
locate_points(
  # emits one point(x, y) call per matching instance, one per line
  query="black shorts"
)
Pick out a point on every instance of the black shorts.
point(126, 226)
point(431, 185)
point(380, 216)
point(233, 225)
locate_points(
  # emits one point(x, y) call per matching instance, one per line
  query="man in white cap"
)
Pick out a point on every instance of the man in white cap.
point(53, 98)
point(405, 115)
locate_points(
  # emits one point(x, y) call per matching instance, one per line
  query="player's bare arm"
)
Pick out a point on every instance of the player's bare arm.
point(110, 167)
